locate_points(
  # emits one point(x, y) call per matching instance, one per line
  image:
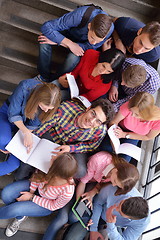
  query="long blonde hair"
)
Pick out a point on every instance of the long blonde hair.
point(46, 93)
point(145, 103)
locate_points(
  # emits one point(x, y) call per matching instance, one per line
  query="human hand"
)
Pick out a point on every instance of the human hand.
point(113, 94)
point(76, 49)
point(119, 45)
point(28, 140)
point(89, 197)
point(63, 81)
point(119, 132)
point(96, 236)
point(107, 44)
point(60, 150)
point(44, 40)
point(25, 196)
point(109, 214)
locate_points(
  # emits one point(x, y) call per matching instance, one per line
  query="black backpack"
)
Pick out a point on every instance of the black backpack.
point(87, 14)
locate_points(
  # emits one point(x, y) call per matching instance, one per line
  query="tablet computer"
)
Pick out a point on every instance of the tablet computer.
point(82, 212)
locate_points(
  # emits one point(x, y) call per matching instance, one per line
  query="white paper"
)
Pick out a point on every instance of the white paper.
point(125, 148)
point(72, 85)
point(40, 154)
point(75, 91)
point(17, 148)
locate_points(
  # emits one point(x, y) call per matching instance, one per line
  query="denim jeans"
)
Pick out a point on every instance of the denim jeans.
point(25, 170)
point(6, 130)
point(106, 146)
point(45, 61)
point(59, 220)
point(15, 209)
point(65, 92)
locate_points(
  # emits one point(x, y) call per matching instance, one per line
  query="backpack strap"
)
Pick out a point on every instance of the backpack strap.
point(87, 14)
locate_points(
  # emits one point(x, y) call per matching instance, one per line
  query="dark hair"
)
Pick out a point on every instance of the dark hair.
point(153, 29)
point(135, 207)
point(113, 56)
point(134, 75)
point(101, 24)
point(107, 108)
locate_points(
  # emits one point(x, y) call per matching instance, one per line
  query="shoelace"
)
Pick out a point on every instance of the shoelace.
point(14, 226)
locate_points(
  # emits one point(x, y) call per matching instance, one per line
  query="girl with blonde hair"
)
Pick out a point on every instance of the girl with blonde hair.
point(41, 195)
point(31, 104)
point(137, 119)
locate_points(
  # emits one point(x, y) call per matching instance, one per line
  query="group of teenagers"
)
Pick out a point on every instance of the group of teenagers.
point(111, 60)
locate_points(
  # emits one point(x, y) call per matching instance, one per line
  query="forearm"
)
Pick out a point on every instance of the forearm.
point(66, 43)
point(22, 127)
point(80, 189)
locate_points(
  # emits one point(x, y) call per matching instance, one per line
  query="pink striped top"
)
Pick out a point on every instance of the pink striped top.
point(95, 167)
point(54, 197)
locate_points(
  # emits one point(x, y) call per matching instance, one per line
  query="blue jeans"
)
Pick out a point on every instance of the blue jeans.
point(65, 92)
point(106, 146)
point(6, 130)
point(45, 61)
point(59, 220)
point(25, 170)
point(15, 209)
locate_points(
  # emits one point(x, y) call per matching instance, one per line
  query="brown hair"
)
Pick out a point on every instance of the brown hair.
point(134, 75)
point(127, 174)
point(107, 108)
point(64, 166)
point(46, 93)
point(153, 29)
point(145, 103)
point(135, 207)
point(101, 25)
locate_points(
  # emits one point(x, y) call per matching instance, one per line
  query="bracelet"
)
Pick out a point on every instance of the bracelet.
point(117, 39)
point(32, 197)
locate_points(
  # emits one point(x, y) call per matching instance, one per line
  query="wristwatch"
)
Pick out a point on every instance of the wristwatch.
point(127, 136)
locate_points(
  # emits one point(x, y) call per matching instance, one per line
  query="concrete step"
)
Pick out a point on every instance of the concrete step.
point(32, 224)
point(147, 8)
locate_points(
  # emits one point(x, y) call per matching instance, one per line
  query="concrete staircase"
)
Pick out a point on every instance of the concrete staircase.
point(20, 22)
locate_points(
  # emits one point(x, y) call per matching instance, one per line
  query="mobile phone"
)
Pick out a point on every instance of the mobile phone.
point(82, 212)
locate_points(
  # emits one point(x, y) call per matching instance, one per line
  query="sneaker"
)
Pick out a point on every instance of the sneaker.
point(14, 226)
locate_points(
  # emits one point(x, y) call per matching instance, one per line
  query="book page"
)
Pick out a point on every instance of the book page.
point(84, 100)
point(131, 150)
point(41, 157)
point(17, 148)
point(72, 85)
point(114, 139)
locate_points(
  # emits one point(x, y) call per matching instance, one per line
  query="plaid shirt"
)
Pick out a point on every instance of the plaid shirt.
point(64, 130)
point(151, 85)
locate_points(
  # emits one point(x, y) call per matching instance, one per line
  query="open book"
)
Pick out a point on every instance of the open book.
point(75, 91)
point(40, 154)
point(125, 148)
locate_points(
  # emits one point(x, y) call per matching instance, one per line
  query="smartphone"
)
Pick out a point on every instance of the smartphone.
point(82, 212)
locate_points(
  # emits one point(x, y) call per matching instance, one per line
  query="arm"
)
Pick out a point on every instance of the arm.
point(93, 143)
point(47, 125)
point(118, 42)
point(28, 141)
point(152, 134)
point(59, 199)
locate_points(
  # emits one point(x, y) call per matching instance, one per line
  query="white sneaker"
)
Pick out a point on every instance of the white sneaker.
point(13, 227)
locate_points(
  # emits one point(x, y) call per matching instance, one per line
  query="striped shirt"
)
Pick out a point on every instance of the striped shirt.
point(151, 85)
point(52, 197)
point(64, 130)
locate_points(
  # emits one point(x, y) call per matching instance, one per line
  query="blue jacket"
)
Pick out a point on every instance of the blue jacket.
point(18, 102)
point(104, 200)
point(57, 29)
